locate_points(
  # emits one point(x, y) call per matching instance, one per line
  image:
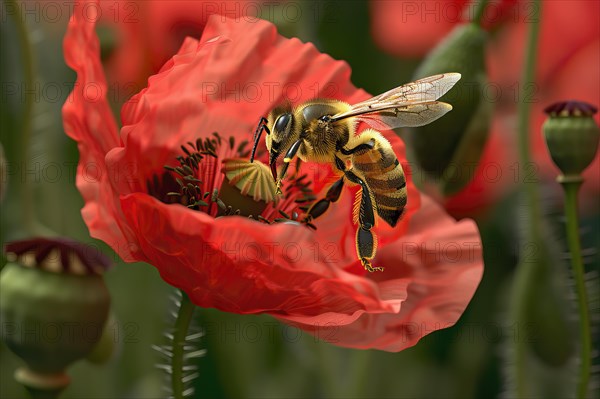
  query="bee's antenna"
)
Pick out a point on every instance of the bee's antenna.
point(262, 125)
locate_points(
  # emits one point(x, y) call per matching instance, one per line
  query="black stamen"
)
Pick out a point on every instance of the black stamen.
point(285, 215)
point(242, 146)
point(185, 177)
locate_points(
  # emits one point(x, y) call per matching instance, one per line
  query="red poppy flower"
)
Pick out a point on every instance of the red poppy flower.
point(223, 83)
point(567, 65)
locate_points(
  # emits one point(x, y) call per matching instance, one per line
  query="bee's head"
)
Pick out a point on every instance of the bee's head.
point(281, 123)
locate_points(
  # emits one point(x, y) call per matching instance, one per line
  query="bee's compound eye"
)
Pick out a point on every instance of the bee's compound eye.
point(282, 122)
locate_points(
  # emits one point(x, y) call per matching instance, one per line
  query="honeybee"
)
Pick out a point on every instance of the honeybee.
point(324, 130)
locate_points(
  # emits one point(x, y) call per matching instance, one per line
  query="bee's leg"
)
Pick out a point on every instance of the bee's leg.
point(319, 207)
point(286, 162)
point(366, 242)
point(369, 145)
point(262, 125)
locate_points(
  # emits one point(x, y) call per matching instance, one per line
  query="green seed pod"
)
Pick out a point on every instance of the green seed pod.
point(53, 306)
point(572, 136)
point(448, 149)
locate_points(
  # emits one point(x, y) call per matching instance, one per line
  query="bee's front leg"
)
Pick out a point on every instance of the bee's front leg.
point(262, 125)
point(289, 155)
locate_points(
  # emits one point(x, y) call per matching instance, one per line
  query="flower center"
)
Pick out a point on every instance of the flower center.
point(199, 183)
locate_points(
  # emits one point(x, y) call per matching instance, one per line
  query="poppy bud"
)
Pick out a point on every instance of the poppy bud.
point(571, 135)
point(448, 149)
point(53, 306)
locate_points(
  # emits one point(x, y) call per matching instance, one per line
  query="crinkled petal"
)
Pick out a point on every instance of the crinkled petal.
point(88, 120)
point(441, 260)
point(238, 265)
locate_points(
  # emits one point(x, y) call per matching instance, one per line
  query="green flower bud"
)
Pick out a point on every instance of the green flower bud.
point(572, 136)
point(53, 306)
point(448, 149)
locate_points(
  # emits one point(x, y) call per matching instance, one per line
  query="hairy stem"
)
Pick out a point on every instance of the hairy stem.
point(182, 324)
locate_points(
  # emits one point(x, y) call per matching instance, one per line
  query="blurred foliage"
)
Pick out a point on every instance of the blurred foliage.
point(248, 356)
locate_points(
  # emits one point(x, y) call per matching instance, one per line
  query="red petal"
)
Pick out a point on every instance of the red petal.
point(237, 73)
point(431, 274)
point(88, 120)
point(86, 112)
point(243, 266)
point(173, 21)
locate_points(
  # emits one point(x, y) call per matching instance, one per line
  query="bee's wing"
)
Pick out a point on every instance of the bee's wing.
point(413, 104)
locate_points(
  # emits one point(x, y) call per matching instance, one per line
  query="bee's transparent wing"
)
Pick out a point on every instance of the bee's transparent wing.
point(406, 116)
point(413, 104)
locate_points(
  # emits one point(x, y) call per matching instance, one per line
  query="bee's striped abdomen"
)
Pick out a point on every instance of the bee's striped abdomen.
point(383, 174)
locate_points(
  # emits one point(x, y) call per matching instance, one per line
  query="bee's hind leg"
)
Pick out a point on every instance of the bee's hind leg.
point(366, 241)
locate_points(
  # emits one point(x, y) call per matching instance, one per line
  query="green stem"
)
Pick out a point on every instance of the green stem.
point(479, 10)
point(571, 189)
point(528, 270)
point(182, 324)
point(527, 80)
point(27, 59)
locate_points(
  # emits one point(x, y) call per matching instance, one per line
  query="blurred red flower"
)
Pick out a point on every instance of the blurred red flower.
point(223, 82)
point(411, 29)
point(567, 68)
point(143, 35)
